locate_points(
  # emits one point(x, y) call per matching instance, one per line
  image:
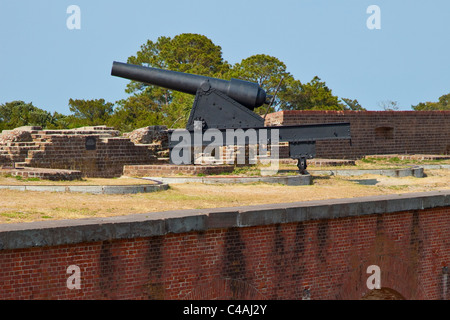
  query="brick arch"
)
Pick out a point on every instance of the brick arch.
point(225, 289)
point(383, 294)
point(396, 276)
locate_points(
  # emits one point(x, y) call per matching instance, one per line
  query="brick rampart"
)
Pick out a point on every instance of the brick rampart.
point(376, 132)
point(316, 250)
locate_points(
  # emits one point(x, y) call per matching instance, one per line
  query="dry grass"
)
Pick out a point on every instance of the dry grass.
point(19, 206)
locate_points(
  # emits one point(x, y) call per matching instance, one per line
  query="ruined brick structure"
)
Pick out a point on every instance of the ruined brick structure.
point(95, 151)
point(156, 138)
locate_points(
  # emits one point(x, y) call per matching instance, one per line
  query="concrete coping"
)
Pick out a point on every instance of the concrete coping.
point(414, 171)
point(66, 232)
point(93, 189)
point(293, 180)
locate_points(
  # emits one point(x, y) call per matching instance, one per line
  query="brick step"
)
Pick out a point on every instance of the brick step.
point(79, 132)
point(21, 149)
point(20, 144)
point(36, 136)
point(96, 128)
point(20, 164)
point(31, 153)
point(4, 157)
point(162, 160)
point(41, 140)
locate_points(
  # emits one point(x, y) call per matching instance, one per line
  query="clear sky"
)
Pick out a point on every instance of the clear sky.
point(408, 60)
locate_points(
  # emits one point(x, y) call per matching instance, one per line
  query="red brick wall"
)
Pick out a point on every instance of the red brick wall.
point(377, 132)
point(329, 258)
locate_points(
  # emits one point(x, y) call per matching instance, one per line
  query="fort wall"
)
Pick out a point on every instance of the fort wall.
point(303, 250)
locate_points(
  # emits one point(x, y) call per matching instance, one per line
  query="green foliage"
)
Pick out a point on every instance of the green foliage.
point(442, 104)
point(315, 95)
point(353, 105)
point(18, 113)
point(270, 73)
point(135, 112)
point(90, 112)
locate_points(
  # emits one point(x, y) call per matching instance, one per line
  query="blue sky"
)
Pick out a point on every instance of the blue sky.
point(407, 60)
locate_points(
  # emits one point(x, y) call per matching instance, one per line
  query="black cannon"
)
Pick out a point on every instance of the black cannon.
point(247, 93)
point(222, 105)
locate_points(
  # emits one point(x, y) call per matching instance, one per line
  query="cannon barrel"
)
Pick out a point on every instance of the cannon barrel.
point(248, 94)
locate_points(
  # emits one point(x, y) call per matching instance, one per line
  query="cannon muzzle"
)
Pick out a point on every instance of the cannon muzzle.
point(248, 94)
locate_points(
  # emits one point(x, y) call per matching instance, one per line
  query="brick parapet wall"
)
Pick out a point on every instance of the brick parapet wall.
point(277, 251)
point(376, 132)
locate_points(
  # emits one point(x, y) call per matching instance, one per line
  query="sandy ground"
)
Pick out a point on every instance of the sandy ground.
point(20, 206)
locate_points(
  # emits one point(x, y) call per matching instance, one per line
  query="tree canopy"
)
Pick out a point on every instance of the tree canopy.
point(90, 112)
point(271, 75)
point(18, 113)
point(442, 104)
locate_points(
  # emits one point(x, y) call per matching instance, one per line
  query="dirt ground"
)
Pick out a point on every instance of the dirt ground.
point(26, 206)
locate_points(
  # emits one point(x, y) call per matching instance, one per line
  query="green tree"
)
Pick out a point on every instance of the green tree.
point(353, 105)
point(18, 113)
point(135, 112)
point(442, 104)
point(89, 112)
point(316, 95)
point(270, 74)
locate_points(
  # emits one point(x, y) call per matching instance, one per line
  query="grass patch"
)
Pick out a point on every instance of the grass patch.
point(368, 160)
point(14, 214)
point(394, 160)
point(33, 179)
point(22, 215)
